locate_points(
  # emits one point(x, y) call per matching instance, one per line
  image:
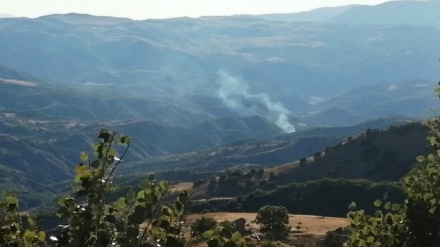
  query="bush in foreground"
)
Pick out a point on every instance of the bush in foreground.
point(140, 219)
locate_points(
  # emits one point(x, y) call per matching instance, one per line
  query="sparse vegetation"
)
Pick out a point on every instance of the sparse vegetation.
point(416, 221)
point(311, 197)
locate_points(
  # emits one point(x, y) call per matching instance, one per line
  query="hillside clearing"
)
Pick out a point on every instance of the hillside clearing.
point(308, 224)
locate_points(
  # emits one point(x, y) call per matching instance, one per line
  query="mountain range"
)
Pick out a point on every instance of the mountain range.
point(243, 64)
point(213, 93)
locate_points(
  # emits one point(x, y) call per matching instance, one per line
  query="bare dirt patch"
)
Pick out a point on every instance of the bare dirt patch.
point(181, 187)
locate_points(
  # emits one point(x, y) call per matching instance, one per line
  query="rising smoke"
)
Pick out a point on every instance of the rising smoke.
point(236, 95)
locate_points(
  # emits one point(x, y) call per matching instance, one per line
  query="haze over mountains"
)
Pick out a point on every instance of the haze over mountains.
point(182, 57)
point(193, 85)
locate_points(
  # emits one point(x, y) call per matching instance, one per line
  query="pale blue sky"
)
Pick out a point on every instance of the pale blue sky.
point(145, 9)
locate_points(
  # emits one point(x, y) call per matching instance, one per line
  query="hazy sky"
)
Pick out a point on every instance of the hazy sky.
point(145, 9)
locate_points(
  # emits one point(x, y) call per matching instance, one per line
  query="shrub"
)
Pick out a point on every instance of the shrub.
point(202, 225)
point(140, 219)
point(274, 221)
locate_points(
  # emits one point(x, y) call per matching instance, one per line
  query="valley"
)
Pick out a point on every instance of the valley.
point(310, 111)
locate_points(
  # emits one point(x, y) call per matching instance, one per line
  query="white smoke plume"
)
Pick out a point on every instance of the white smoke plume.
point(236, 95)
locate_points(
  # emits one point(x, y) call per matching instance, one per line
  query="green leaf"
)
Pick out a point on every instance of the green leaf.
point(420, 158)
point(140, 195)
point(167, 211)
point(352, 206)
point(427, 196)
point(378, 214)
point(83, 156)
point(12, 200)
point(164, 185)
point(370, 239)
point(158, 232)
point(121, 203)
point(208, 234)
point(29, 235)
point(387, 205)
point(433, 140)
point(41, 236)
point(395, 207)
point(105, 135)
point(80, 168)
point(62, 200)
point(31, 222)
point(236, 237)
point(377, 203)
point(123, 139)
point(111, 152)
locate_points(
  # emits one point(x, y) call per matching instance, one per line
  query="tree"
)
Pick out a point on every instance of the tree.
point(12, 230)
point(416, 221)
point(202, 225)
point(274, 221)
point(140, 219)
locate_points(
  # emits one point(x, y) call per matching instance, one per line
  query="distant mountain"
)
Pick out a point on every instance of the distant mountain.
point(315, 15)
point(211, 93)
point(423, 13)
point(182, 71)
point(44, 126)
point(6, 15)
point(12, 75)
point(411, 98)
point(182, 56)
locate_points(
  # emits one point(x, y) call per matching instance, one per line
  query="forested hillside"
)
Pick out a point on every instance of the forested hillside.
point(297, 113)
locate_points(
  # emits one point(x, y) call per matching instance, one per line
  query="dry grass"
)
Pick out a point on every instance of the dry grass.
point(308, 224)
point(317, 225)
point(181, 187)
point(310, 233)
point(281, 168)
